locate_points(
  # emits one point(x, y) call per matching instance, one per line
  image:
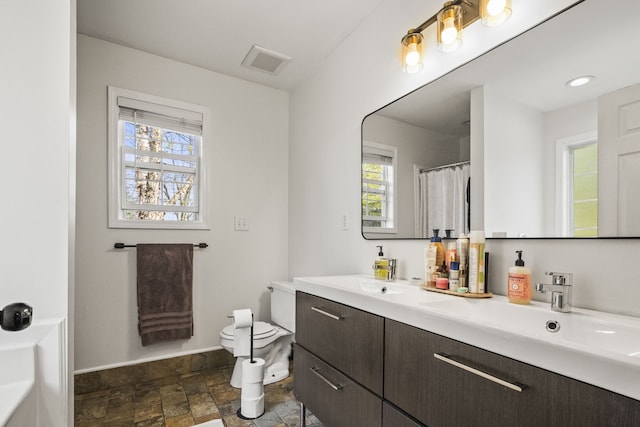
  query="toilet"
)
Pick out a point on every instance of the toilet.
point(271, 342)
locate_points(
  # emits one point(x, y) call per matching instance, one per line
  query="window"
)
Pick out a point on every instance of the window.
point(578, 186)
point(155, 162)
point(378, 188)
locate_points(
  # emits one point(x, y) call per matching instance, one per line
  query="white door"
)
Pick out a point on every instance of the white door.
point(619, 163)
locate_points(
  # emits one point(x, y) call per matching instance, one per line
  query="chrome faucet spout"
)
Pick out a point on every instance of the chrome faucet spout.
point(561, 288)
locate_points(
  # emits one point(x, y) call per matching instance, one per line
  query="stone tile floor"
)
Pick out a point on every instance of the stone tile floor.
point(186, 400)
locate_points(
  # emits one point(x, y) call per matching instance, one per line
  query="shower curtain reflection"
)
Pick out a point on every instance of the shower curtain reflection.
point(442, 200)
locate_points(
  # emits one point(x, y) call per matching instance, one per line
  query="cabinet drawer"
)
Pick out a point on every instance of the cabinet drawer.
point(392, 417)
point(349, 339)
point(442, 392)
point(333, 397)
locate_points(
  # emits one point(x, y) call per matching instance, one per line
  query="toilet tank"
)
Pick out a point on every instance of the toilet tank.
point(283, 305)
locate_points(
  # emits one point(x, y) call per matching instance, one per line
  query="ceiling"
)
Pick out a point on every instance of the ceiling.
point(217, 34)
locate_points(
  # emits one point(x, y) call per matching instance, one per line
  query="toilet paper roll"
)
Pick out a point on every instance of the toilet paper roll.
point(252, 373)
point(252, 408)
point(242, 321)
point(252, 395)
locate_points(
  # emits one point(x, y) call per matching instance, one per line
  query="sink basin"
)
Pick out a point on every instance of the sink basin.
point(582, 329)
point(379, 287)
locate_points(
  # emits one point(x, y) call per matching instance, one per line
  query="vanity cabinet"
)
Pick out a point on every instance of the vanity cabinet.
point(353, 368)
point(443, 382)
point(338, 362)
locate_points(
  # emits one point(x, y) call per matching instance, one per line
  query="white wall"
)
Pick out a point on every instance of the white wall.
point(513, 193)
point(248, 152)
point(416, 146)
point(359, 77)
point(37, 82)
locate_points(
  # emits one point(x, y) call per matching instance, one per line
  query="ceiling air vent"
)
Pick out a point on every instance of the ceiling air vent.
point(265, 60)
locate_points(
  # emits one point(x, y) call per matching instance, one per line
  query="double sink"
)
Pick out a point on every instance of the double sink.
point(599, 348)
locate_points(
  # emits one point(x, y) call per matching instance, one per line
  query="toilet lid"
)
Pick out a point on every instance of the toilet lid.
point(261, 330)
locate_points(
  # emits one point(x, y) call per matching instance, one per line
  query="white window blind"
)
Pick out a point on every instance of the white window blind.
point(162, 116)
point(158, 150)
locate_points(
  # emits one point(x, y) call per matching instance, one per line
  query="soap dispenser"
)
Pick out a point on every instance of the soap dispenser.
point(380, 265)
point(519, 282)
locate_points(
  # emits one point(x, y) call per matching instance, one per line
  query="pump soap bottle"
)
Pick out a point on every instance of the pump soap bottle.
point(519, 282)
point(380, 265)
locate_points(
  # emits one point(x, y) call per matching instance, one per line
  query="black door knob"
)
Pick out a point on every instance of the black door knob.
point(16, 316)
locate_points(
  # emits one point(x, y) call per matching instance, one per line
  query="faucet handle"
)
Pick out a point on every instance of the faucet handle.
point(560, 279)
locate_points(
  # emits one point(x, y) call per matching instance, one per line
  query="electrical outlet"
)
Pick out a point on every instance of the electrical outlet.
point(241, 223)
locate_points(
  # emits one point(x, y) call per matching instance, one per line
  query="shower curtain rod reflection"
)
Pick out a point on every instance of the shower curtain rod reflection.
point(122, 245)
point(445, 166)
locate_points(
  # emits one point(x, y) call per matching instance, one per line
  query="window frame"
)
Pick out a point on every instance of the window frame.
point(564, 179)
point(115, 165)
point(392, 194)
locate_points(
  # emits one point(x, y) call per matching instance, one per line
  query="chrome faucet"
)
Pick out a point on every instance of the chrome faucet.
point(561, 289)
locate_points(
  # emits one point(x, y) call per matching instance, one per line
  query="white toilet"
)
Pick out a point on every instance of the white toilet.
point(270, 342)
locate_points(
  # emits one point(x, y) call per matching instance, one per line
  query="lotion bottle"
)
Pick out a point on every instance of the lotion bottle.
point(519, 282)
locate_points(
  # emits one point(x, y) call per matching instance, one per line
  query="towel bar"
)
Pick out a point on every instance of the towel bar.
point(122, 245)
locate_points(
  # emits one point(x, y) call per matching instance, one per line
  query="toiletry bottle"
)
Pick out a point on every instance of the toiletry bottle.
point(437, 240)
point(451, 253)
point(380, 266)
point(462, 253)
point(454, 276)
point(476, 262)
point(430, 266)
point(519, 282)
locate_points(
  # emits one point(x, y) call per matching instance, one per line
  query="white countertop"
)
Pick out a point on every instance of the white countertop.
point(598, 348)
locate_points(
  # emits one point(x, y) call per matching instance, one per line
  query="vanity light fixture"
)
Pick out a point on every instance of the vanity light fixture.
point(449, 27)
point(579, 81)
point(494, 12)
point(451, 19)
point(412, 51)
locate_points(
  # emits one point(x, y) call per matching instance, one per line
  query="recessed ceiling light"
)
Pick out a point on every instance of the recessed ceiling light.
point(579, 81)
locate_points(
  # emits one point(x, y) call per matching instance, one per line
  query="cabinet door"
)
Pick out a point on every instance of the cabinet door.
point(349, 339)
point(334, 398)
point(392, 417)
point(439, 393)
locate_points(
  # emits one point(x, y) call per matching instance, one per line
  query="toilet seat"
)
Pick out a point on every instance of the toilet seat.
point(262, 331)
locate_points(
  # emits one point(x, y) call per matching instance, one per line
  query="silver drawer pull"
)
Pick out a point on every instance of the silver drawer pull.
point(445, 358)
point(315, 370)
point(333, 316)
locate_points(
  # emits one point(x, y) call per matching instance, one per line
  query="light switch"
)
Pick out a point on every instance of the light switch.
point(241, 223)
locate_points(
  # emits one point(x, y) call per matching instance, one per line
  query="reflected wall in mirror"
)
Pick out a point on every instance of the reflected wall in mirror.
point(546, 159)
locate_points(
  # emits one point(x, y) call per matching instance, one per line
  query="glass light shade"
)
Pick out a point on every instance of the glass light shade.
point(449, 28)
point(412, 55)
point(494, 12)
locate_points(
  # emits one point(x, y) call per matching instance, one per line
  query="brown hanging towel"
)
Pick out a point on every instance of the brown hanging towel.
point(165, 299)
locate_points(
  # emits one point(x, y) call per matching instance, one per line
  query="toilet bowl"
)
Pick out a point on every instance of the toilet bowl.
point(271, 342)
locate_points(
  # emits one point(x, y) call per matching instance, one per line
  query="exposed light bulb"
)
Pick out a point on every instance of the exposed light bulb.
point(412, 58)
point(494, 12)
point(449, 27)
point(450, 32)
point(495, 7)
point(412, 52)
